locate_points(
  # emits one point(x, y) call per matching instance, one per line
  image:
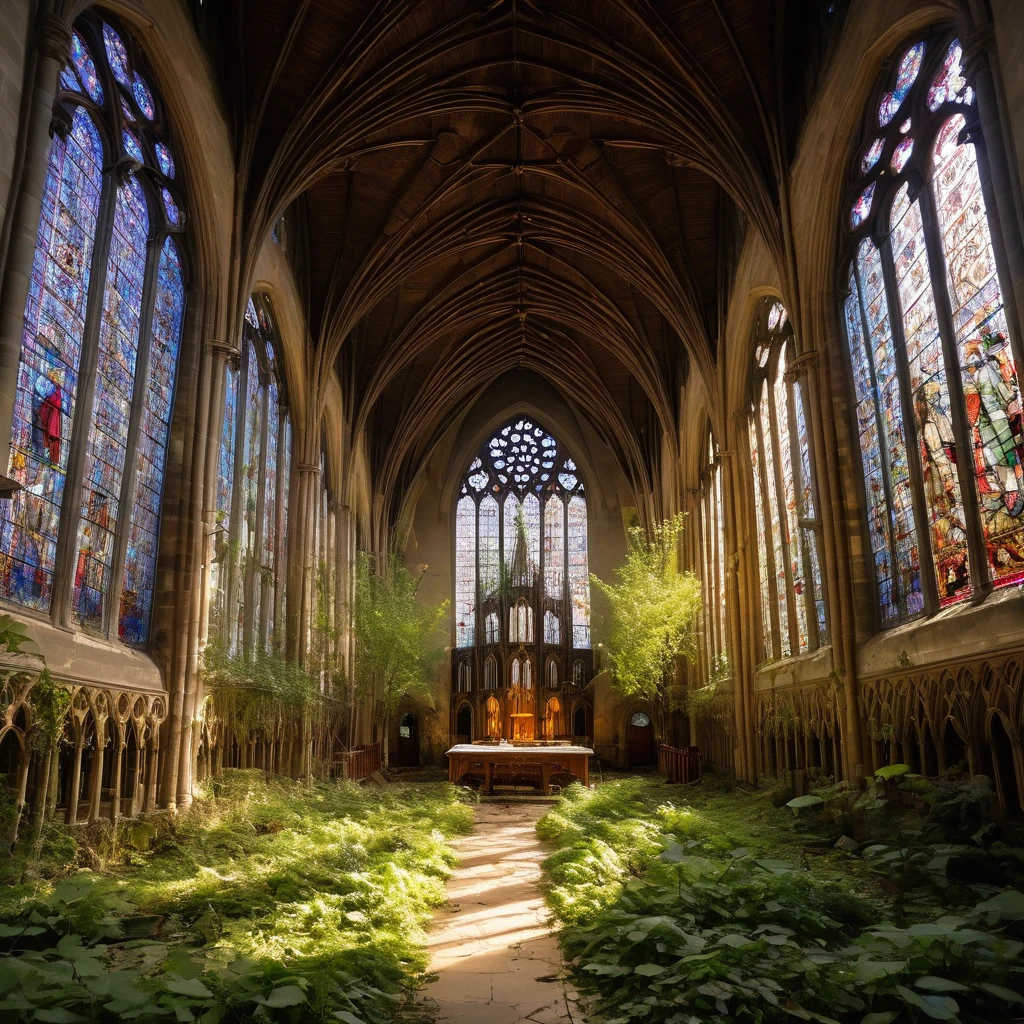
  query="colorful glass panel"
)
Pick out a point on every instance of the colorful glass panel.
point(489, 560)
point(991, 387)
point(173, 214)
point(808, 512)
point(862, 207)
point(531, 513)
point(871, 155)
point(126, 112)
point(117, 55)
point(778, 581)
point(132, 147)
point(554, 548)
point(219, 568)
point(901, 154)
point(86, 68)
point(252, 457)
point(143, 97)
point(762, 549)
point(164, 159)
point(268, 539)
point(151, 450)
point(106, 446)
point(889, 398)
point(69, 80)
point(906, 75)
point(579, 578)
point(950, 84)
point(465, 571)
point(930, 394)
point(44, 405)
point(552, 630)
point(791, 520)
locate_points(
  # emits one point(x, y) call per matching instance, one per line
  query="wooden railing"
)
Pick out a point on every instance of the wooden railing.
point(360, 762)
point(680, 765)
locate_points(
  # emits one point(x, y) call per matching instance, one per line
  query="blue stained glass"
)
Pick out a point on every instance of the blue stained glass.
point(164, 159)
point(126, 112)
point(251, 459)
point(219, 568)
point(86, 68)
point(143, 528)
point(143, 97)
point(44, 406)
point(579, 578)
point(173, 215)
point(117, 55)
point(69, 80)
point(906, 75)
point(808, 511)
point(862, 207)
point(115, 382)
point(132, 147)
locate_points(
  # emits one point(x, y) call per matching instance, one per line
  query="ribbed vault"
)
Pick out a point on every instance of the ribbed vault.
point(491, 185)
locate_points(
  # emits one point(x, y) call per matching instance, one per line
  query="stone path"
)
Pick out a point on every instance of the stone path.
point(491, 947)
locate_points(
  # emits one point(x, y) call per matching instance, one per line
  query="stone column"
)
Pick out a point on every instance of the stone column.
point(53, 41)
point(75, 782)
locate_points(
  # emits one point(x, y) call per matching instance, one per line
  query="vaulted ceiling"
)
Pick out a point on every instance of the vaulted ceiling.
point(481, 186)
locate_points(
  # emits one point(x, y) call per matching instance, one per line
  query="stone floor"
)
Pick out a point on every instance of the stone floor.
point(491, 947)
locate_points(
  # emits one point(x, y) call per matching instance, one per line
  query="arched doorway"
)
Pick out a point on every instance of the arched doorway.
point(1005, 766)
point(579, 725)
point(641, 740)
point(464, 725)
point(408, 741)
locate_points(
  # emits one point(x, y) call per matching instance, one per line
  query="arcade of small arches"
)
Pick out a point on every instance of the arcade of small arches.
point(491, 337)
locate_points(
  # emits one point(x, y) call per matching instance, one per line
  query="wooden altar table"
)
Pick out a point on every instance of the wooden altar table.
point(465, 757)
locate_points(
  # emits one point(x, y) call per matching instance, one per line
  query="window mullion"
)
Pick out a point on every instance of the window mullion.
point(479, 635)
point(958, 410)
point(112, 605)
point(925, 555)
point(71, 500)
point(883, 450)
point(762, 482)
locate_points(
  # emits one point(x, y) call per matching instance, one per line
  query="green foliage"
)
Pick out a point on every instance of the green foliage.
point(14, 638)
point(251, 692)
point(398, 638)
point(50, 703)
point(710, 702)
point(713, 912)
point(652, 611)
point(264, 903)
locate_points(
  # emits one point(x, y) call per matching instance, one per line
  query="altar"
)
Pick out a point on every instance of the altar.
point(519, 766)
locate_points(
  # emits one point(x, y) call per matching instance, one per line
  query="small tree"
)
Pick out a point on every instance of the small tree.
point(652, 613)
point(398, 640)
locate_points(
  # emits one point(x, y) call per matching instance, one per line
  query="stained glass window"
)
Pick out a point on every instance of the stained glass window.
point(906, 75)
point(465, 571)
point(48, 375)
point(712, 536)
point(521, 521)
point(902, 371)
point(490, 674)
point(793, 616)
point(118, 441)
point(247, 581)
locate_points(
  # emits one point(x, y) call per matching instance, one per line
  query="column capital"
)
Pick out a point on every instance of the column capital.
point(53, 37)
point(980, 41)
point(225, 349)
point(798, 367)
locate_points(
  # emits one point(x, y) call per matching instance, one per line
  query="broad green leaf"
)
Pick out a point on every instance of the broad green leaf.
point(776, 867)
point(648, 970)
point(869, 970)
point(188, 987)
point(1006, 994)
point(892, 771)
point(802, 802)
point(936, 1007)
point(933, 984)
point(286, 995)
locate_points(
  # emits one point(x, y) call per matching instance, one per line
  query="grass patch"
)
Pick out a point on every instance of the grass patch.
point(712, 904)
point(261, 902)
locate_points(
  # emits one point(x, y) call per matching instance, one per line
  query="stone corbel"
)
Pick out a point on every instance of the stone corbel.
point(798, 367)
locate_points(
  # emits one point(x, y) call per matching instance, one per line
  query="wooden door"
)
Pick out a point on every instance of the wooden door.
point(641, 740)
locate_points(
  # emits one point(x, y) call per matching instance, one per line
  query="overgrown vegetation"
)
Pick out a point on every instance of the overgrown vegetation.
point(262, 902)
point(398, 638)
point(650, 615)
point(718, 906)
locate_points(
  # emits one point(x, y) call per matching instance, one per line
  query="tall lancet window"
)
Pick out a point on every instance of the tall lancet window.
point(247, 577)
point(520, 566)
point(938, 404)
point(785, 503)
point(99, 355)
point(712, 561)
